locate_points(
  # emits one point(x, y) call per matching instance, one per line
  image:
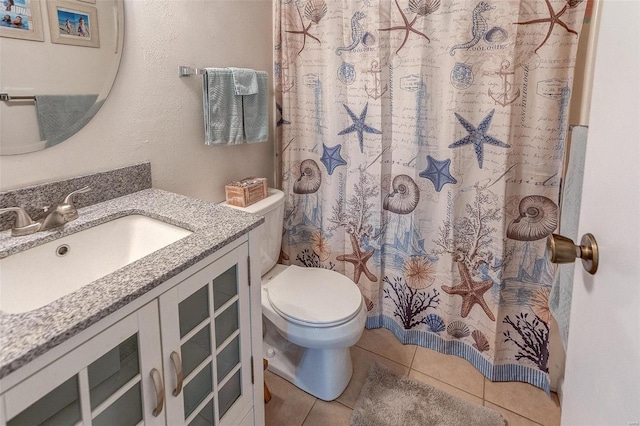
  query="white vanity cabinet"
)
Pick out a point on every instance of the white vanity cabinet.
point(105, 381)
point(206, 345)
point(184, 357)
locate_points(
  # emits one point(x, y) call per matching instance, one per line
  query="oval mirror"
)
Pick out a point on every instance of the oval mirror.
point(58, 61)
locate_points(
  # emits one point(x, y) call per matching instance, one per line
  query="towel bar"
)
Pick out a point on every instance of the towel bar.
point(187, 71)
point(5, 97)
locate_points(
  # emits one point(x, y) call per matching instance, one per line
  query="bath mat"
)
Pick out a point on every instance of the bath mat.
point(390, 400)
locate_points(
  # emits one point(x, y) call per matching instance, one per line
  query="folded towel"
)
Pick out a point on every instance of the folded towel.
point(229, 118)
point(255, 109)
point(222, 108)
point(60, 116)
point(245, 81)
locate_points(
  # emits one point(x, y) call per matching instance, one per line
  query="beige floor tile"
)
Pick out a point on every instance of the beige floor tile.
point(512, 418)
point(362, 360)
point(382, 342)
point(450, 369)
point(526, 400)
point(416, 375)
point(289, 405)
point(328, 413)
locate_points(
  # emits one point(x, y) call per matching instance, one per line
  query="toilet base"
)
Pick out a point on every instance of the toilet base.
point(324, 373)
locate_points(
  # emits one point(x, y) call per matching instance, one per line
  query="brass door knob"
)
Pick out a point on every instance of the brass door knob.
point(563, 250)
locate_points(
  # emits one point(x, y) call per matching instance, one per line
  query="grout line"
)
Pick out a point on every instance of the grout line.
point(381, 356)
point(515, 413)
point(396, 339)
point(449, 384)
point(484, 387)
point(413, 358)
point(499, 404)
point(309, 412)
point(344, 405)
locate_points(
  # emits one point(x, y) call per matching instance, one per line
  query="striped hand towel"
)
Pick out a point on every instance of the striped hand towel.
point(256, 124)
point(222, 108)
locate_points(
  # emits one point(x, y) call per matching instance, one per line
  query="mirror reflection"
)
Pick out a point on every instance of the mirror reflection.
point(56, 69)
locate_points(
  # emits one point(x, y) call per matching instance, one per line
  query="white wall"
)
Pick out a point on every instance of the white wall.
point(602, 379)
point(152, 114)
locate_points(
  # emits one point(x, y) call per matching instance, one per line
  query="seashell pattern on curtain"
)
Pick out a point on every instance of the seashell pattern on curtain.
point(421, 145)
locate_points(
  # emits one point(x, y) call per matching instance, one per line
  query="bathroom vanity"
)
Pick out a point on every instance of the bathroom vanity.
point(168, 339)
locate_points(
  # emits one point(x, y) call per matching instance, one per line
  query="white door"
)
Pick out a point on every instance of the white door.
point(602, 376)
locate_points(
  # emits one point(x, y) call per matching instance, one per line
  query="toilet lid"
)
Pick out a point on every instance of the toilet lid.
point(314, 296)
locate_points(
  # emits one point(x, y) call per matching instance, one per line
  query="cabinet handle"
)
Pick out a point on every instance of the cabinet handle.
point(157, 383)
point(177, 366)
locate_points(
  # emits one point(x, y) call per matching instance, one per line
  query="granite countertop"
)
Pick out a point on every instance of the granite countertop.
point(25, 336)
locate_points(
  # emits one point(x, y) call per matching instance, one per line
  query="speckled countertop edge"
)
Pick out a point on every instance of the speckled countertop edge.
point(25, 336)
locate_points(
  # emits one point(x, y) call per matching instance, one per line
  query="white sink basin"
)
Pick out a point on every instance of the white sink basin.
point(38, 276)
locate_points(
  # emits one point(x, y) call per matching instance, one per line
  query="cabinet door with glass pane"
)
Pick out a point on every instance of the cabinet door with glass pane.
point(206, 344)
point(112, 379)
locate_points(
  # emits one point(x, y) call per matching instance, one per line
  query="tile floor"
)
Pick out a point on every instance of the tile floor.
point(519, 403)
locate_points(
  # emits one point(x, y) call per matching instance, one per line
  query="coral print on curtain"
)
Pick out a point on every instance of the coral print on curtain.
point(421, 145)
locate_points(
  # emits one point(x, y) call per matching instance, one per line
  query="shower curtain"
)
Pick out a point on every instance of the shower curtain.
point(421, 144)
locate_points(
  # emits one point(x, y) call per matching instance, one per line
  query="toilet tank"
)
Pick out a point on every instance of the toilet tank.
point(270, 233)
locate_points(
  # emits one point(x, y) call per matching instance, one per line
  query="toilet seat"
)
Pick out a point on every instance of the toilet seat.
point(314, 297)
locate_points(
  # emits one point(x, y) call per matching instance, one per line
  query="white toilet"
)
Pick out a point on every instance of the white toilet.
point(312, 316)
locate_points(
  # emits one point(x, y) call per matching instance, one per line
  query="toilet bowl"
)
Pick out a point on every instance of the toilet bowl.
point(308, 342)
point(311, 316)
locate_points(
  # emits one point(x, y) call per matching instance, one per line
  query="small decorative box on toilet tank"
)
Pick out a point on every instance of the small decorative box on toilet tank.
point(246, 191)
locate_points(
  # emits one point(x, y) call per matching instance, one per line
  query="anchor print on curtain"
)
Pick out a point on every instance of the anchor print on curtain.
point(421, 145)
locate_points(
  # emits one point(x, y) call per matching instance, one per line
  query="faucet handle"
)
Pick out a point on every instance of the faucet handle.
point(23, 224)
point(22, 217)
point(66, 209)
point(69, 199)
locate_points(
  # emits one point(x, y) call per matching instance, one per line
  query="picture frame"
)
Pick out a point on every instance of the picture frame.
point(21, 19)
point(88, 1)
point(73, 23)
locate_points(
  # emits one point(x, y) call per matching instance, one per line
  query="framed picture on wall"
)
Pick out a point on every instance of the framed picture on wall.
point(88, 1)
point(73, 23)
point(21, 19)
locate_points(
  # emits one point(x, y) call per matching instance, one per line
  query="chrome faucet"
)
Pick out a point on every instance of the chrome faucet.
point(56, 215)
point(23, 225)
